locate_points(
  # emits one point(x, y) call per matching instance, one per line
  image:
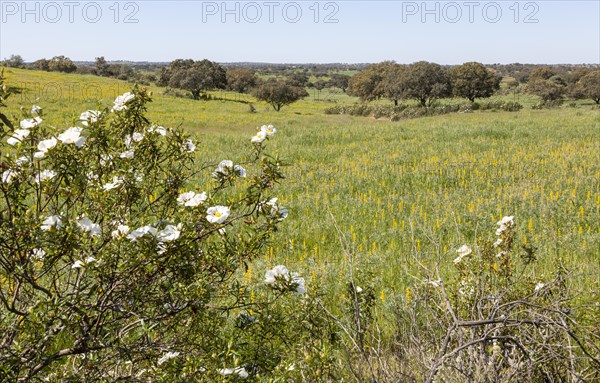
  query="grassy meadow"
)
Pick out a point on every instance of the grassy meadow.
point(397, 191)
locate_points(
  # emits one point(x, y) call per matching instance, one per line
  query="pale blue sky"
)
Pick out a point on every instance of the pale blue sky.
point(446, 32)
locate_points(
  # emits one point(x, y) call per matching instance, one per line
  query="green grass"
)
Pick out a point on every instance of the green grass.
point(398, 190)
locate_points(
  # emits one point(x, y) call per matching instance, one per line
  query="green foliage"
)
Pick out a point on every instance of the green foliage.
point(340, 81)
point(386, 79)
point(426, 82)
point(549, 91)
point(197, 77)
point(61, 64)
point(297, 79)
point(278, 93)
point(473, 80)
point(14, 61)
point(241, 79)
point(588, 86)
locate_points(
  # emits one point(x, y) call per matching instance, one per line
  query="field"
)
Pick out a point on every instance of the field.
point(391, 192)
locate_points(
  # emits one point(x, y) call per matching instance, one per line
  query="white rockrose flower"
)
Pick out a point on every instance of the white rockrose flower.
point(121, 101)
point(462, 251)
point(217, 214)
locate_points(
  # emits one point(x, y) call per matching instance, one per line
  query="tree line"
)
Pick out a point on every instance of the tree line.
point(282, 84)
point(427, 82)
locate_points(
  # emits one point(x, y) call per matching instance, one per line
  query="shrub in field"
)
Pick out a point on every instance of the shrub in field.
point(116, 263)
point(278, 93)
point(507, 106)
point(494, 321)
point(512, 106)
point(196, 77)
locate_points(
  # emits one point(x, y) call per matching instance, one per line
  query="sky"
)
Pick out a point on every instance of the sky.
point(275, 31)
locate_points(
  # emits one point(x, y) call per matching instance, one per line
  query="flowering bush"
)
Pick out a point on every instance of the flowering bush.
point(116, 264)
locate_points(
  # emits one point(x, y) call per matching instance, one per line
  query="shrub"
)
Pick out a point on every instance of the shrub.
point(494, 320)
point(120, 261)
point(512, 106)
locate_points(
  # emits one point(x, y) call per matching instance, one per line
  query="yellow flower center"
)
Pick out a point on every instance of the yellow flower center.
point(217, 214)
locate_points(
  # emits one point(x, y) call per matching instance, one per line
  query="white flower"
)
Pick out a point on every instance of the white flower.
point(217, 214)
point(22, 161)
point(121, 231)
point(45, 175)
point(504, 224)
point(8, 175)
point(239, 371)
point(498, 242)
point(169, 233)
point(239, 171)
point(77, 264)
point(501, 229)
point(18, 136)
point(36, 110)
point(259, 137)
point(463, 251)
point(140, 232)
point(197, 200)
point(281, 272)
point(87, 225)
point(30, 123)
point(72, 136)
point(223, 167)
point(188, 146)
point(157, 129)
point(277, 271)
point(226, 166)
point(269, 130)
point(44, 146)
point(50, 222)
point(117, 181)
point(506, 220)
point(137, 137)
point(167, 356)
point(184, 197)
point(300, 289)
point(191, 199)
point(278, 211)
point(120, 102)
point(38, 254)
point(539, 286)
point(359, 289)
point(89, 116)
point(127, 154)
